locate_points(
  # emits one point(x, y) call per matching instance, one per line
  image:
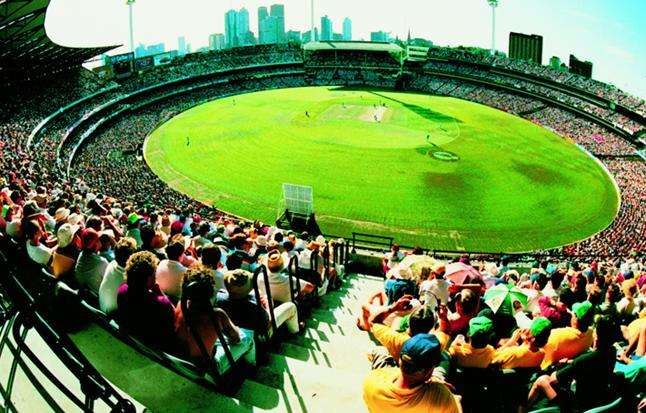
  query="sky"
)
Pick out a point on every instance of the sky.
point(609, 33)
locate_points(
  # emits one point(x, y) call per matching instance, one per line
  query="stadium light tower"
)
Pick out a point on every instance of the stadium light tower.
point(312, 37)
point(132, 37)
point(493, 4)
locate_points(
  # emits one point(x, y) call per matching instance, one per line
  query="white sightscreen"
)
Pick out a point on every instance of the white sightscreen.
point(298, 198)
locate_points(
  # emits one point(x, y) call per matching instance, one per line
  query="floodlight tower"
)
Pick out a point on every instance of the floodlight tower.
point(312, 37)
point(493, 4)
point(132, 37)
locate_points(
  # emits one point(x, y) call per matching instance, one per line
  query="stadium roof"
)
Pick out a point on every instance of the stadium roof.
point(363, 46)
point(26, 52)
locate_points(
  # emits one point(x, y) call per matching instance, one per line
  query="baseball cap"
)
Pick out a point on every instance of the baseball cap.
point(421, 350)
point(480, 325)
point(539, 326)
point(133, 218)
point(582, 309)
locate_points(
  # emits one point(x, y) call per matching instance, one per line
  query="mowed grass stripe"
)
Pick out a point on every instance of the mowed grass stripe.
point(515, 187)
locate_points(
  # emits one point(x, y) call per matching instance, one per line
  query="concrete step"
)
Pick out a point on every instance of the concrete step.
point(335, 356)
point(156, 387)
point(319, 388)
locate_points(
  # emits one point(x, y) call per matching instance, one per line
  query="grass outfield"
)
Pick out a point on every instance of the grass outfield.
point(435, 171)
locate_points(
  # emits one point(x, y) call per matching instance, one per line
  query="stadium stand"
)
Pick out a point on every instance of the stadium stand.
point(81, 210)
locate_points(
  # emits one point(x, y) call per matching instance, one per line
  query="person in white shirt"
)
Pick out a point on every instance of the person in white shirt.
point(392, 258)
point(90, 266)
point(114, 274)
point(279, 279)
point(170, 272)
point(35, 249)
point(435, 289)
point(211, 257)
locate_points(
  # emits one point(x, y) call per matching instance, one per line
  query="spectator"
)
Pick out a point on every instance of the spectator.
point(38, 252)
point(197, 323)
point(142, 308)
point(569, 342)
point(525, 347)
point(90, 266)
point(476, 352)
point(114, 275)
point(407, 388)
point(170, 271)
point(591, 371)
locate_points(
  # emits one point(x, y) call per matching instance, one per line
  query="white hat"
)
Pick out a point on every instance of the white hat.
point(320, 240)
point(405, 273)
point(65, 234)
point(75, 219)
point(61, 214)
point(14, 229)
point(261, 241)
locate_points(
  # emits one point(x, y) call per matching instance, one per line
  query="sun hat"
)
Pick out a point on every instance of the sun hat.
point(238, 283)
point(480, 325)
point(313, 245)
point(539, 326)
point(405, 273)
point(320, 240)
point(275, 262)
point(176, 227)
point(261, 241)
point(89, 239)
point(582, 309)
point(61, 214)
point(75, 219)
point(423, 350)
point(14, 229)
point(65, 234)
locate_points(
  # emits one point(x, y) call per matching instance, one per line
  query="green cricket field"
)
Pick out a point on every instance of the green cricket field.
point(440, 172)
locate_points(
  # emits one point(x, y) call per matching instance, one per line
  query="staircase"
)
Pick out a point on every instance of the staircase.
point(318, 370)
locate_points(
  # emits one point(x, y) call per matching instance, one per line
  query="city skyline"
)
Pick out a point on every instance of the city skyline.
point(609, 35)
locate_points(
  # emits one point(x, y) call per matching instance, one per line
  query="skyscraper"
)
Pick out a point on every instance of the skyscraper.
point(181, 46)
point(326, 29)
point(526, 47)
point(379, 36)
point(347, 29)
point(277, 12)
point(263, 22)
point(217, 42)
point(231, 28)
point(242, 27)
point(580, 67)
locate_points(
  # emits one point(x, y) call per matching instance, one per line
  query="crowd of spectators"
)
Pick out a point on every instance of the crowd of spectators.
point(597, 88)
point(490, 337)
point(118, 232)
point(116, 150)
point(599, 110)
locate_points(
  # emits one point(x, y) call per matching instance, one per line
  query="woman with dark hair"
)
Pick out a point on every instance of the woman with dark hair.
point(200, 327)
point(591, 370)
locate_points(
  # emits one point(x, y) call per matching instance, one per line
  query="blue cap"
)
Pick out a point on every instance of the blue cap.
point(422, 350)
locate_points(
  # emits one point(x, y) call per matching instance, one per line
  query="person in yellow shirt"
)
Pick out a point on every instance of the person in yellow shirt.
point(409, 389)
point(528, 354)
point(422, 320)
point(569, 342)
point(476, 352)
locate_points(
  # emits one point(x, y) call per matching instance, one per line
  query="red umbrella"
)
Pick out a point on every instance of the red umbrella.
point(458, 273)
